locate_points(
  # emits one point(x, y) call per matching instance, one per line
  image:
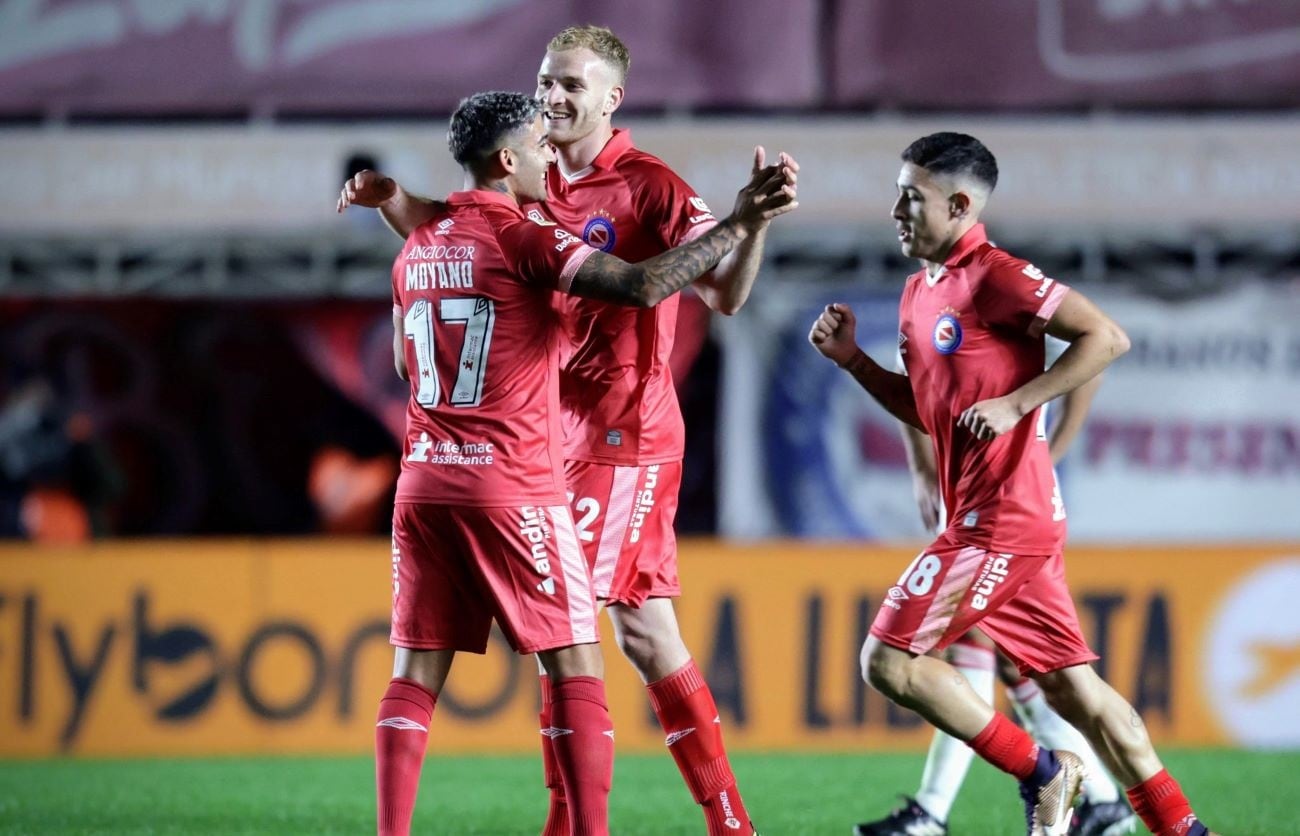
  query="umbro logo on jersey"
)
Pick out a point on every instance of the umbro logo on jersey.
point(552, 732)
point(547, 586)
point(538, 218)
point(444, 227)
point(401, 723)
point(897, 593)
point(677, 735)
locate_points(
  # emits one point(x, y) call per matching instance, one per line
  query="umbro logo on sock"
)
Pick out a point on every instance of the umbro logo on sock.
point(677, 735)
point(401, 723)
point(609, 732)
point(552, 732)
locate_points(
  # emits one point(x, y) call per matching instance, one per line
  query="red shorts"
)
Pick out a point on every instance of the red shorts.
point(1020, 602)
point(625, 523)
point(456, 568)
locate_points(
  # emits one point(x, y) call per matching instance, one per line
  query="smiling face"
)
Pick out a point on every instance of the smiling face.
point(926, 213)
point(579, 91)
point(532, 155)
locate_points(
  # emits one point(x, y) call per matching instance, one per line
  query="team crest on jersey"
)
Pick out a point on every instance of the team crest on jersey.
point(947, 334)
point(599, 232)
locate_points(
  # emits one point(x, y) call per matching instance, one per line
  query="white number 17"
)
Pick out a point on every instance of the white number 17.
point(477, 315)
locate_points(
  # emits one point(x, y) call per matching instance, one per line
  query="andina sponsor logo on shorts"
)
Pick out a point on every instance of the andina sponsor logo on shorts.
point(995, 571)
point(537, 531)
point(645, 502)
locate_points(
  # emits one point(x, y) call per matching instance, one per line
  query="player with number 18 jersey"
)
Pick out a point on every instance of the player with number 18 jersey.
point(971, 333)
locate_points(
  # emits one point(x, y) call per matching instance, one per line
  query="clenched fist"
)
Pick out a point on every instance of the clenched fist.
point(834, 333)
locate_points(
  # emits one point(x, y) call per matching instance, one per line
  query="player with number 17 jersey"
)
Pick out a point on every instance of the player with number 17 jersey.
point(474, 290)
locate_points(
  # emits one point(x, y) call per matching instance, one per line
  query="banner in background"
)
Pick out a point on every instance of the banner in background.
point(340, 56)
point(1194, 434)
point(1124, 176)
point(407, 56)
point(200, 647)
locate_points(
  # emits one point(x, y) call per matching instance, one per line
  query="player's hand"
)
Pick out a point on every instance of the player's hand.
point(925, 487)
point(771, 191)
point(368, 188)
point(989, 419)
point(834, 333)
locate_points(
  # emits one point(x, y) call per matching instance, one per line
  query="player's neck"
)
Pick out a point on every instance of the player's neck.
point(934, 265)
point(488, 184)
point(579, 155)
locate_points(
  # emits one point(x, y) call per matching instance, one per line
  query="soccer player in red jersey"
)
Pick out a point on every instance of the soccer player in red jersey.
point(481, 527)
point(971, 326)
point(623, 427)
point(1101, 811)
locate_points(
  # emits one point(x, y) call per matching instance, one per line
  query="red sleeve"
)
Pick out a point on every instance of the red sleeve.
point(541, 252)
point(397, 280)
point(664, 202)
point(1015, 294)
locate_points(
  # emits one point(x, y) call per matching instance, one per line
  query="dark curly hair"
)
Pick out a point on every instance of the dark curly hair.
point(480, 122)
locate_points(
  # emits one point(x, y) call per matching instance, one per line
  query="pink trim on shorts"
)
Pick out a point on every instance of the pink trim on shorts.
point(618, 516)
point(571, 267)
point(577, 586)
point(945, 602)
point(971, 656)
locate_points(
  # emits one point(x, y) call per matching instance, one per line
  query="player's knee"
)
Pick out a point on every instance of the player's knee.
point(884, 667)
point(637, 646)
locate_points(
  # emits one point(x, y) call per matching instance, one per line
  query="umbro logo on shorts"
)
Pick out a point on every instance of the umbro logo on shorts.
point(552, 732)
point(402, 724)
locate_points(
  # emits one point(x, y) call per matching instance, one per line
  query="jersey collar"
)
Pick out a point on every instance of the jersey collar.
point(619, 144)
point(974, 238)
point(483, 196)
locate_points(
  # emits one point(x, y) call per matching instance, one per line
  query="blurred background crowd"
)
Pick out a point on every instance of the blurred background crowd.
point(193, 343)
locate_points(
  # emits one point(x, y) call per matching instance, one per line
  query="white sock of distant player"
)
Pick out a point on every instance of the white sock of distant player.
point(1050, 730)
point(950, 758)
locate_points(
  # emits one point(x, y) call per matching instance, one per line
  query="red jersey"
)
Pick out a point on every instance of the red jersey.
point(974, 333)
point(473, 287)
point(616, 389)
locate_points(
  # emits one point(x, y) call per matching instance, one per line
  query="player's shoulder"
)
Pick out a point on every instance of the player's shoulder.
point(641, 169)
point(991, 261)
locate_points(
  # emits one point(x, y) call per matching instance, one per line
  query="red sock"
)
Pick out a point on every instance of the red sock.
point(583, 739)
point(557, 816)
point(1006, 746)
point(1160, 803)
point(401, 733)
point(685, 708)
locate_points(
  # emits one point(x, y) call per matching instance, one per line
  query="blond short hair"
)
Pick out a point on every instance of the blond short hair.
point(599, 40)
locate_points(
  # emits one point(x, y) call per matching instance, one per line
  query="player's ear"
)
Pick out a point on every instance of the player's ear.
point(959, 205)
point(505, 160)
point(613, 99)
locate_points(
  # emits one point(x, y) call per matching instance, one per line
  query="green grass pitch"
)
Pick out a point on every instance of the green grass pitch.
point(1239, 793)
